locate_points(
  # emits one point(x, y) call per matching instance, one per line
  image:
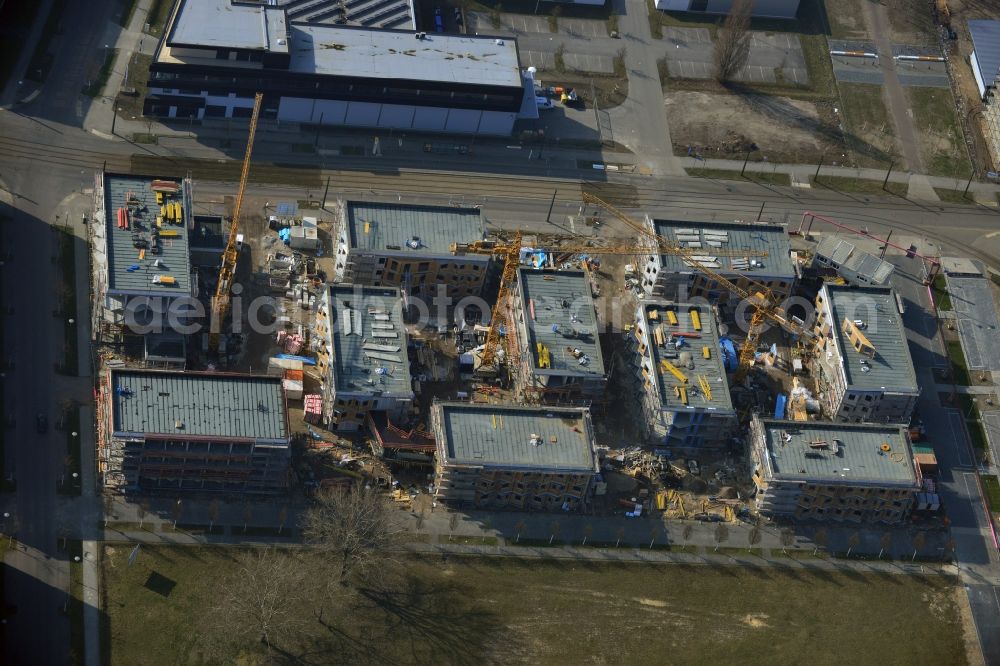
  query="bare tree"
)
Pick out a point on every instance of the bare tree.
point(654, 532)
point(452, 524)
point(821, 538)
point(109, 507)
point(247, 515)
point(520, 527)
point(753, 537)
point(884, 543)
point(486, 526)
point(355, 527)
point(141, 511)
point(852, 542)
point(721, 534)
point(554, 528)
point(177, 511)
point(732, 44)
point(282, 518)
point(787, 539)
point(919, 540)
point(620, 535)
point(686, 533)
point(588, 531)
point(259, 601)
point(213, 513)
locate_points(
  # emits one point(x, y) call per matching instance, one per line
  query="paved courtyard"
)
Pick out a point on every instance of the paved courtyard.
point(689, 54)
point(515, 25)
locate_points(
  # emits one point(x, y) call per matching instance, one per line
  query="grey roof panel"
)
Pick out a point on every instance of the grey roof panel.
point(224, 24)
point(859, 454)
point(379, 226)
point(892, 367)
point(711, 368)
point(367, 316)
point(564, 319)
point(986, 45)
point(846, 254)
point(757, 237)
point(500, 436)
point(174, 258)
point(203, 404)
point(397, 54)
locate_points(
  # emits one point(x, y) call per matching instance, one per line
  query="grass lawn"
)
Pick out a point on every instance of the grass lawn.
point(130, 106)
point(71, 486)
point(942, 143)
point(67, 302)
point(757, 177)
point(484, 610)
point(991, 485)
point(941, 296)
point(860, 185)
point(159, 10)
point(868, 126)
point(957, 358)
point(953, 196)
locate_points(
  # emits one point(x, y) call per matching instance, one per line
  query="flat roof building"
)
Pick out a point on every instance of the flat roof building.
point(362, 362)
point(140, 254)
point(539, 458)
point(555, 329)
point(684, 393)
point(767, 261)
point(833, 471)
point(409, 246)
point(193, 431)
point(215, 54)
point(857, 267)
point(781, 9)
point(866, 372)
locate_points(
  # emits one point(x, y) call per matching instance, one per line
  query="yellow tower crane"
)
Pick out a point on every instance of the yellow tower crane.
point(222, 298)
point(757, 295)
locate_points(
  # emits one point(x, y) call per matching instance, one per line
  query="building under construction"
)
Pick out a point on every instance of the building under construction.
point(170, 432)
point(865, 370)
point(140, 258)
point(684, 392)
point(833, 472)
point(554, 327)
point(767, 262)
point(362, 358)
point(509, 456)
point(408, 246)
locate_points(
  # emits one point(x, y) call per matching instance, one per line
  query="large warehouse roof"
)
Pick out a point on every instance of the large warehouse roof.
point(188, 404)
point(509, 436)
point(398, 54)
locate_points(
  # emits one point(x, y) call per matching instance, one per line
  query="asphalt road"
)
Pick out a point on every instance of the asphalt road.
point(37, 573)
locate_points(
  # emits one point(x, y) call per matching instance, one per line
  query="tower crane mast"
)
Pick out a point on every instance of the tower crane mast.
point(223, 297)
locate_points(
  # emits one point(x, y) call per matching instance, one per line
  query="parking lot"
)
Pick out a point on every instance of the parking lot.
point(689, 54)
point(978, 325)
point(859, 69)
point(521, 24)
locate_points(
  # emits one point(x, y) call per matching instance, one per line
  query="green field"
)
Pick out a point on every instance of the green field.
point(482, 610)
point(957, 358)
point(991, 485)
point(942, 142)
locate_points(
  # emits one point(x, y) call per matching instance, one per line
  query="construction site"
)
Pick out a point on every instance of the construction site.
point(402, 335)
